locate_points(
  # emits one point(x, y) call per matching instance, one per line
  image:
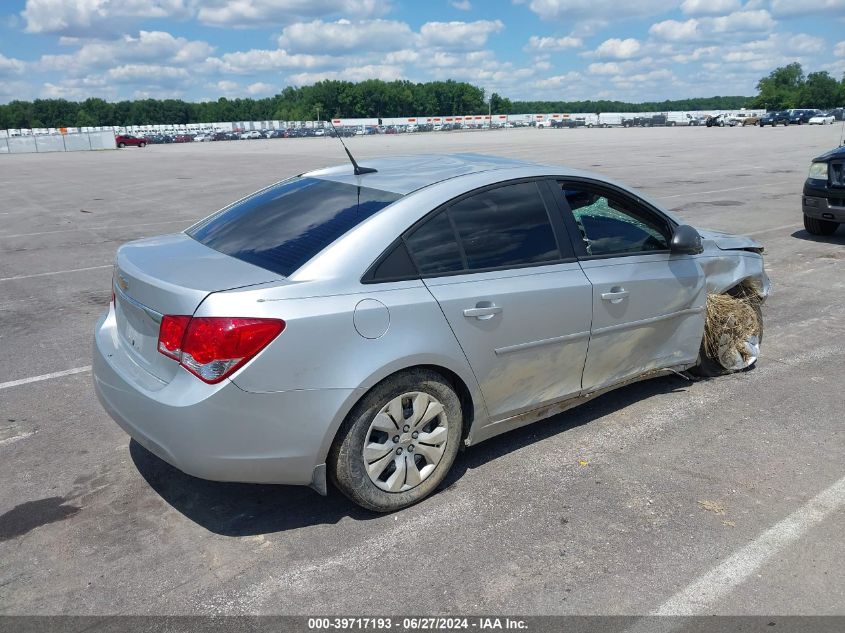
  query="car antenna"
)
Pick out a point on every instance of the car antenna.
point(356, 168)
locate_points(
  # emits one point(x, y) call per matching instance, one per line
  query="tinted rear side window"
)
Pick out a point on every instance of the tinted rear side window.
point(434, 247)
point(284, 226)
point(506, 226)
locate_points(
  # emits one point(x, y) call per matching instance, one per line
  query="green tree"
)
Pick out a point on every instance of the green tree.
point(781, 88)
point(819, 90)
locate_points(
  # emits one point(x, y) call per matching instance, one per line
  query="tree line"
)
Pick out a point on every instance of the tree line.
point(783, 88)
point(788, 87)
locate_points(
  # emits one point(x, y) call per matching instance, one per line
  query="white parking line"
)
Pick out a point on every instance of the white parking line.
point(701, 193)
point(96, 228)
point(773, 229)
point(55, 272)
point(16, 438)
point(57, 374)
point(699, 596)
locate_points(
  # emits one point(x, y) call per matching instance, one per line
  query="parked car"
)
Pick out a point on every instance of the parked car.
point(823, 202)
point(424, 306)
point(822, 119)
point(742, 119)
point(127, 140)
point(251, 134)
point(798, 117)
point(774, 118)
point(715, 120)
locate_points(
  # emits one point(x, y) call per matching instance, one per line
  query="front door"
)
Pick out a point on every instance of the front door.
point(648, 304)
point(516, 299)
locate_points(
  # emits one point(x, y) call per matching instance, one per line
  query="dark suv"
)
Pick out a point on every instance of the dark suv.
point(774, 118)
point(797, 117)
point(823, 202)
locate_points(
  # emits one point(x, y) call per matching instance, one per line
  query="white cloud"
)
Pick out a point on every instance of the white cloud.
point(548, 44)
point(709, 7)
point(261, 13)
point(11, 90)
point(445, 59)
point(354, 73)
point(149, 47)
point(93, 16)
point(740, 23)
point(807, 7)
point(10, 66)
point(405, 56)
point(227, 87)
point(839, 49)
point(147, 73)
point(650, 77)
point(344, 35)
point(675, 31)
point(596, 9)
point(558, 81)
point(805, 44)
point(620, 67)
point(615, 48)
point(459, 35)
point(259, 88)
point(261, 60)
point(461, 5)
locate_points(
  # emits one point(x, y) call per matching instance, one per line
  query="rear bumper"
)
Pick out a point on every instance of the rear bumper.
point(821, 208)
point(217, 432)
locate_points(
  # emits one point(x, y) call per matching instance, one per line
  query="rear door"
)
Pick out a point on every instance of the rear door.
point(506, 279)
point(648, 304)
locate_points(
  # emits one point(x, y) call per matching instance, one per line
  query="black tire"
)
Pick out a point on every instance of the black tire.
point(346, 464)
point(121, 145)
point(815, 226)
point(709, 367)
point(142, 144)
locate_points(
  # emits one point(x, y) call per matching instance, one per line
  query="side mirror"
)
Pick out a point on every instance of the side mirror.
point(686, 241)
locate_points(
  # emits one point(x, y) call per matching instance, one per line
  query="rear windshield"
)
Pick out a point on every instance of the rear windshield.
point(283, 226)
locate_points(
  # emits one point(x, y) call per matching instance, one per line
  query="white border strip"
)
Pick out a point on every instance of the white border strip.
point(57, 374)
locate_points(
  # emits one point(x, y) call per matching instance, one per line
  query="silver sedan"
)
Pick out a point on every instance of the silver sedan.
point(363, 327)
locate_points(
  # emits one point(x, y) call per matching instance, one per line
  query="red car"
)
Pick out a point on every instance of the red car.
point(123, 140)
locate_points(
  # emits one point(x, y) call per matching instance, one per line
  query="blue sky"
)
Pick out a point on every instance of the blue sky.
point(523, 49)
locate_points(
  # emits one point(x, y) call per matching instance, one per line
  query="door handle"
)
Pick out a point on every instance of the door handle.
point(615, 295)
point(483, 312)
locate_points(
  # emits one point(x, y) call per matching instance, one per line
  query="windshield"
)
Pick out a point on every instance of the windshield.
point(282, 227)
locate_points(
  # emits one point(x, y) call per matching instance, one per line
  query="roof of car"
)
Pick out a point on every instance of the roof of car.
point(404, 174)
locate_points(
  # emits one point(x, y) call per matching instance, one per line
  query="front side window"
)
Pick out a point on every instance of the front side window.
point(612, 225)
point(282, 227)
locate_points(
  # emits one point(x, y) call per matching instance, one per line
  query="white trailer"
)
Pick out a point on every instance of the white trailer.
point(608, 119)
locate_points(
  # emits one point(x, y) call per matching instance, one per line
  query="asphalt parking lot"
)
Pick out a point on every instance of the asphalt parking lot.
point(723, 496)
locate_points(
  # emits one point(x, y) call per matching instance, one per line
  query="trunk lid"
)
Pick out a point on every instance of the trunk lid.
point(171, 274)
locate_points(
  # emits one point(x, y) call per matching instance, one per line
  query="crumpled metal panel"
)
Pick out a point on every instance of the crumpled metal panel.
point(726, 263)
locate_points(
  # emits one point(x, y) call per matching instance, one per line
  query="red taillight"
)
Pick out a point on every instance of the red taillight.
point(211, 348)
point(170, 335)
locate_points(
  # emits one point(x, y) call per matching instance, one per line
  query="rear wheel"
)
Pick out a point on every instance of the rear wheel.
point(815, 226)
point(142, 144)
point(399, 442)
point(733, 333)
point(121, 145)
